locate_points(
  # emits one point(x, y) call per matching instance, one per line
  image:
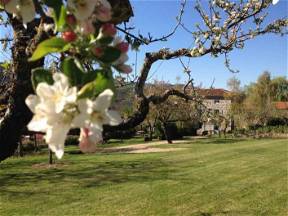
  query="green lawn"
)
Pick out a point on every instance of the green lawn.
point(208, 177)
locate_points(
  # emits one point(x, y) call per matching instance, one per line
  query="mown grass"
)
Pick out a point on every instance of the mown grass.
point(209, 177)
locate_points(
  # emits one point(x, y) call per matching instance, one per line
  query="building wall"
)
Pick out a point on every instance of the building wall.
point(220, 106)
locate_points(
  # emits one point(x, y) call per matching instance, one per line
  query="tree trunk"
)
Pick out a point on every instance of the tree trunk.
point(50, 153)
point(18, 115)
point(167, 133)
point(20, 148)
point(137, 118)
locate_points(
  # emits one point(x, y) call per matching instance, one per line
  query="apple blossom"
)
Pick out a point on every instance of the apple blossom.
point(123, 47)
point(103, 11)
point(88, 141)
point(201, 50)
point(124, 68)
point(97, 51)
point(69, 36)
point(54, 109)
point(82, 9)
point(96, 113)
point(87, 27)
point(24, 8)
point(108, 30)
point(71, 20)
point(121, 60)
point(275, 2)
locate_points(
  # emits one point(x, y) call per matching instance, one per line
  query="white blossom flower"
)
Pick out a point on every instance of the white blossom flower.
point(82, 9)
point(96, 113)
point(87, 27)
point(103, 11)
point(194, 52)
point(201, 50)
point(11, 6)
point(27, 10)
point(275, 2)
point(24, 8)
point(54, 109)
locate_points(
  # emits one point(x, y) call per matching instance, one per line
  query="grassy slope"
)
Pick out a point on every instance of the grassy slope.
point(211, 177)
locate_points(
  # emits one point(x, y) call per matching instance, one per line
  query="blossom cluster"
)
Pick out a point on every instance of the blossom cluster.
point(57, 110)
point(61, 102)
point(217, 31)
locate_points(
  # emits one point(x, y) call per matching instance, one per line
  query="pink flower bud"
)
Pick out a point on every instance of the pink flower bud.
point(71, 20)
point(87, 27)
point(124, 68)
point(103, 14)
point(108, 29)
point(123, 47)
point(97, 51)
point(69, 36)
point(88, 141)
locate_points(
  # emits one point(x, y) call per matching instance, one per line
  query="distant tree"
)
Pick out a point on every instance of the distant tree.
point(234, 84)
point(279, 89)
point(173, 110)
point(226, 25)
point(256, 104)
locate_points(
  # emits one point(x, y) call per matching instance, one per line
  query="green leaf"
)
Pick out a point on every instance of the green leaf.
point(41, 75)
point(51, 45)
point(105, 40)
point(90, 76)
point(94, 88)
point(110, 55)
point(70, 67)
point(5, 65)
point(61, 20)
point(59, 15)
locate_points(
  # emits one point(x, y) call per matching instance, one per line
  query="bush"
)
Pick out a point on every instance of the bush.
point(171, 128)
point(277, 121)
point(264, 131)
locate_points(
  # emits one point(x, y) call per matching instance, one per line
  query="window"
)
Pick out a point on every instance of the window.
point(216, 101)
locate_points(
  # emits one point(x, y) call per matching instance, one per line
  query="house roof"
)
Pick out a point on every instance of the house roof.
point(281, 105)
point(212, 93)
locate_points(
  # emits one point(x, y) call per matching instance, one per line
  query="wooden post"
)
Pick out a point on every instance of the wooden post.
point(50, 156)
point(35, 143)
point(20, 148)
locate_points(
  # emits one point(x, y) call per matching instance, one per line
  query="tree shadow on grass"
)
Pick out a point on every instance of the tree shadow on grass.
point(83, 175)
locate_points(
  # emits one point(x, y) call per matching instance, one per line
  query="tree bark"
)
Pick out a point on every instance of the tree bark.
point(18, 115)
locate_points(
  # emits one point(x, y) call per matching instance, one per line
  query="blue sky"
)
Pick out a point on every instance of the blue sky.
point(267, 52)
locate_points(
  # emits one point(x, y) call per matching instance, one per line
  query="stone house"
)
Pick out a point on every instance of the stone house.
point(217, 108)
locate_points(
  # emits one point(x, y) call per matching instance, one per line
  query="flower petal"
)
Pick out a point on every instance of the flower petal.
point(103, 101)
point(11, 7)
point(61, 81)
point(38, 123)
point(27, 10)
point(82, 9)
point(55, 138)
point(45, 91)
point(114, 117)
point(31, 101)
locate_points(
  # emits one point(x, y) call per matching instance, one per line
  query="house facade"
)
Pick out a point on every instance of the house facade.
point(217, 107)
